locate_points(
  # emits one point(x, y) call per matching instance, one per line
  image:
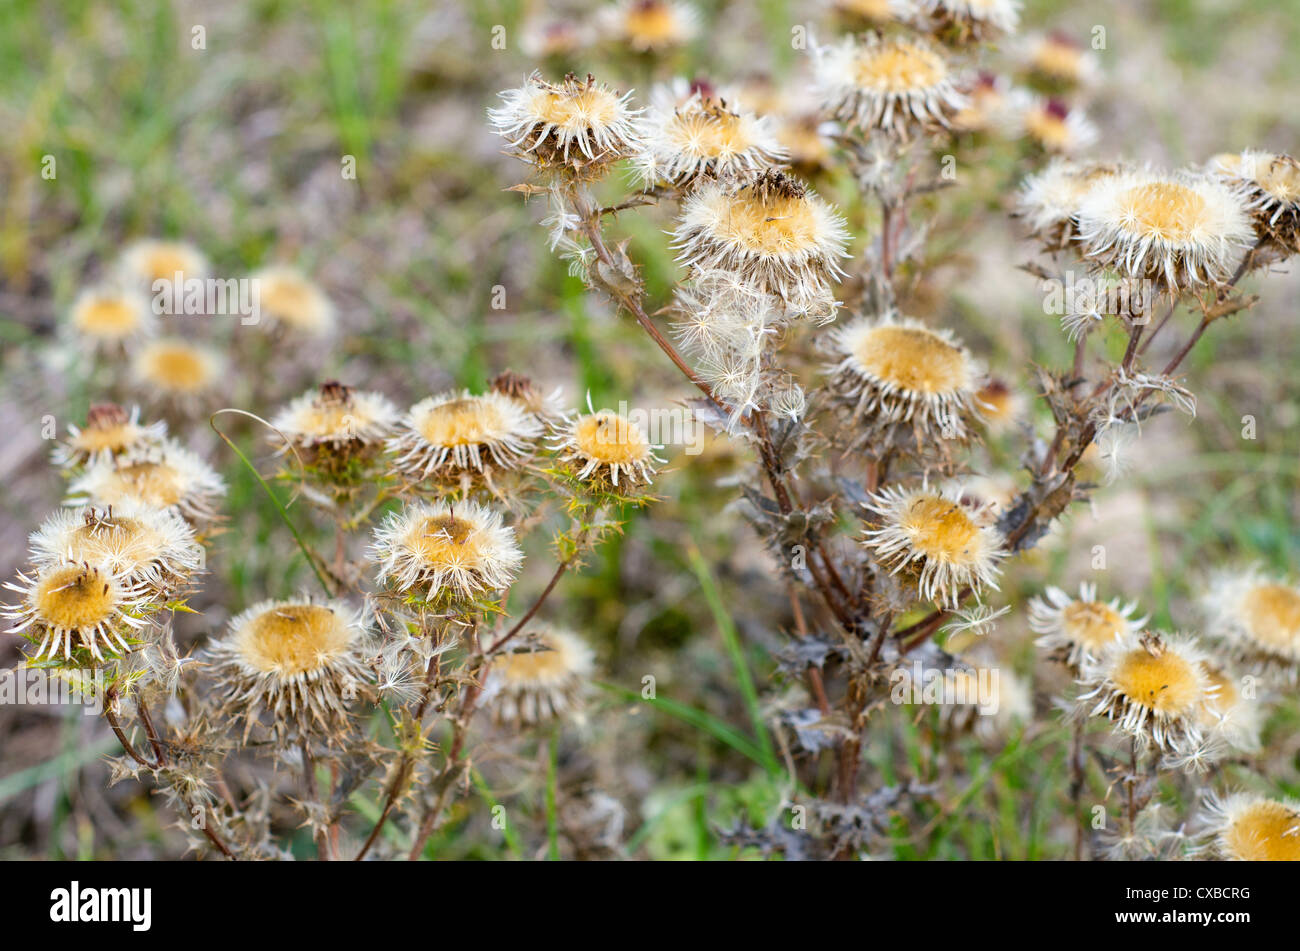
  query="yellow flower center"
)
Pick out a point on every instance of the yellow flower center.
point(445, 539)
point(1165, 210)
point(900, 68)
point(178, 367)
point(107, 317)
point(113, 438)
point(74, 598)
point(912, 358)
point(779, 225)
point(1092, 623)
point(1281, 179)
point(537, 666)
point(110, 535)
point(868, 9)
point(292, 638)
point(610, 439)
point(153, 483)
point(163, 263)
point(1058, 59)
point(289, 299)
point(589, 107)
point(651, 24)
point(1272, 615)
point(941, 529)
point(462, 422)
point(709, 133)
point(330, 419)
point(1163, 681)
point(1266, 831)
point(1049, 130)
point(997, 400)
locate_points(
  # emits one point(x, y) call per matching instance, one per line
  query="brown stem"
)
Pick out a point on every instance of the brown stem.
point(1160, 326)
point(447, 778)
point(632, 304)
point(154, 741)
point(1080, 351)
point(403, 763)
point(1181, 355)
point(1089, 430)
point(1130, 352)
point(217, 841)
point(767, 454)
point(519, 625)
point(127, 746)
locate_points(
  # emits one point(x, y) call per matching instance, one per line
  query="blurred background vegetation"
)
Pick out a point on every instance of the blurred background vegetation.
point(237, 148)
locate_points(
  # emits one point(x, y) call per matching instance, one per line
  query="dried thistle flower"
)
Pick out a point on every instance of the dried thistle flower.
point(650, 26)
point(73, 606)
point(1257, 617)
point(986, 105)
point(288, 299)
point(703, 136)
point(299, 660)
point(547, 407)
point(978, 20)
point(605, 447)
point(144, 263)
point(1049, 201)
point(456, 434)
point(109, 431)
point(770, 230)
point(178, 371)
point(1152, 687)
point(1179, 230)
point(1271, 184)
point(988, 700)
point(1056, 57)
point(1084, 627)
point(333, 426)
point(452, 552)
point(931, 537)
point(578, 124)
point(109, 317)
point(540, 681)
point(876, 12)
point(147, 549)
point(1252, 828)
point(1149, 838)
point(806, 140)
point(1227, 713)
point(999, 405)
point(732, 330)
point(541, 38)
point(896, 370)
point(1049, 123)
point(158, 475)
point(899, 85)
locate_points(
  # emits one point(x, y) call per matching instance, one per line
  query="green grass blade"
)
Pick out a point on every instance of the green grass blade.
point(279, 506)
point(697, 718)
point(731, 638)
